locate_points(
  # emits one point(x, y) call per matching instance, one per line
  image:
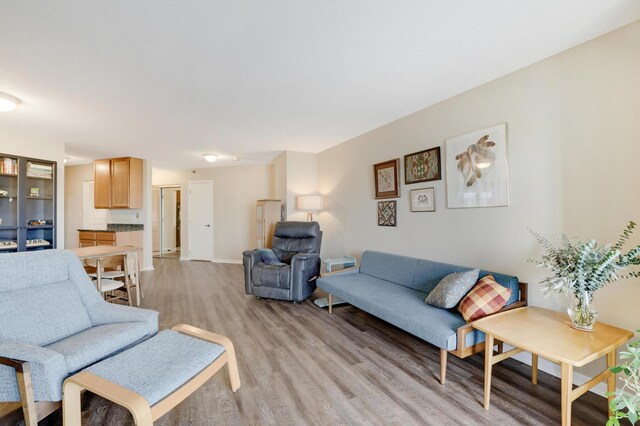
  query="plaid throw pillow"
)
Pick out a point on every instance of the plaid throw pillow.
point(485, 298)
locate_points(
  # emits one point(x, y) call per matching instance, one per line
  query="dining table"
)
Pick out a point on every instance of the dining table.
point(100, 252)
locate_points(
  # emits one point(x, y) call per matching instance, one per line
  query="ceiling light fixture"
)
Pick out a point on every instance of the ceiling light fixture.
point(8, 102)
point(210, 157)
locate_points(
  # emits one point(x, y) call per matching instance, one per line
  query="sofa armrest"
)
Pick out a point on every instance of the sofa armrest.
point(48, 370)
point(249, 258)
point(109, 313)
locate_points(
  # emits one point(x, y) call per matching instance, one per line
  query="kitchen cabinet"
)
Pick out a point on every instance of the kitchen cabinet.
point(117, 183)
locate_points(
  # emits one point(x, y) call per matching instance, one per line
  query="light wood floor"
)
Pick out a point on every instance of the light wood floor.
point(298, 365)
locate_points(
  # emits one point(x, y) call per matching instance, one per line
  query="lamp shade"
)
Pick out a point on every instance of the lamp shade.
point(311, 203)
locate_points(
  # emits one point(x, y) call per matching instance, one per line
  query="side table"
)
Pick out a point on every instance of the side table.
point(345, 262)
point(547, 334)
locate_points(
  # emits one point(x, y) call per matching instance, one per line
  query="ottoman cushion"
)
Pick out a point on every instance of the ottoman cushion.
point(157, 367)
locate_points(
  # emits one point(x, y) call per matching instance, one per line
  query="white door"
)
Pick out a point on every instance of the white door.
point(201, 220)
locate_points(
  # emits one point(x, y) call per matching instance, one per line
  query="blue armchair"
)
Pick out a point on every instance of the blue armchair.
point(53, 323)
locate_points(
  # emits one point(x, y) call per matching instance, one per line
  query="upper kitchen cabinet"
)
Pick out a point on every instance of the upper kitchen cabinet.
point(117, 183)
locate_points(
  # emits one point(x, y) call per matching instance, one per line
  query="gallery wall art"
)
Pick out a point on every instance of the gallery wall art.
point(423, 166)
point(477, 169)
point(423, 200)
point(386, 177)
point(387, 213)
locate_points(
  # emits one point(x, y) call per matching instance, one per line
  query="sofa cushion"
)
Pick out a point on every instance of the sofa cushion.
point(96, 343)
point(487, 297)
point(452, 288)
point(42, 314)
point(398, 305)
point(275, 276)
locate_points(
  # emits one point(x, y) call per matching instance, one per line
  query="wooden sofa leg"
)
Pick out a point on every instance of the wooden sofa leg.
point(500, 345)
point(23, 375)
point(443, 365)
point(330, 301)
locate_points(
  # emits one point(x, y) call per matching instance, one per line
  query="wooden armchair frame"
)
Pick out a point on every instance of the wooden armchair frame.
point(33, 410)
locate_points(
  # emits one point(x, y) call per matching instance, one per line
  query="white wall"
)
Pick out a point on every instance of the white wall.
point(49, 150)
point(573, 127)
point(235, 191)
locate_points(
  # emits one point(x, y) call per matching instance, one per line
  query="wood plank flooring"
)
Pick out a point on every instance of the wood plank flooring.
point(298, 365)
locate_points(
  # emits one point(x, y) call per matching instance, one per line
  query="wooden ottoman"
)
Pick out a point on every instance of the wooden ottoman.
point(154, 376)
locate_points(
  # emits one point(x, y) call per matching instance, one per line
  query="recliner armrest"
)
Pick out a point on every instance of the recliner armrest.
point(109, 313)
point(249, 258)
point(305, 267)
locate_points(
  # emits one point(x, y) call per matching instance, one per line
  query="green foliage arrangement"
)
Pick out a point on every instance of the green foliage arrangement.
point(580, 267)
point(626, 403)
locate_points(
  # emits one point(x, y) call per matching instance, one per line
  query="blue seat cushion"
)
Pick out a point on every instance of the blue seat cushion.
point(157, 367)
point(401, 306)
point(96, 343)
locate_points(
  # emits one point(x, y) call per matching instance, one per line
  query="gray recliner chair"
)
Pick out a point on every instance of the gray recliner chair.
point(293, 278)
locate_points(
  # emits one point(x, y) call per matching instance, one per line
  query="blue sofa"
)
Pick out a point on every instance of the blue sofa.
point(53, 323)
point(393, 288)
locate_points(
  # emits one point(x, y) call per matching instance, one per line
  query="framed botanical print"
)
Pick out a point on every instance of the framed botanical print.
point(423, 200)
point(387, 179)
point(387, 213)
point(423, 166)
point(477, 172)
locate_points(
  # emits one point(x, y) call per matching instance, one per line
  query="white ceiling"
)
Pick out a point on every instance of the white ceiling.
point(169, 79)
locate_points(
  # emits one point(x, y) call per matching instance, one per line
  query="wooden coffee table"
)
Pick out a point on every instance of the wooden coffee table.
point(547, 334)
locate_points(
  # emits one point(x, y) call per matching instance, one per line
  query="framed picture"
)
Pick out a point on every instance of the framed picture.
point(387, 213)
point(423, 200)
point(423, 166)
point(477, 172)
point(387, 179)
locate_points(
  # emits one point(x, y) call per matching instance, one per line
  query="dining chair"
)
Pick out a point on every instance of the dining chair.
point(112, 273)
point(135, 279)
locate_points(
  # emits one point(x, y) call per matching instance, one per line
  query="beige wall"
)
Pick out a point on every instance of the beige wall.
point(52, 151)
point(75, 176)
point(235, 191)
point(573, 125)
point(302, 179)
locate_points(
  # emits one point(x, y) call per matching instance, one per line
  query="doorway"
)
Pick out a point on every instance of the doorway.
point(166, 223)
point(201, 220)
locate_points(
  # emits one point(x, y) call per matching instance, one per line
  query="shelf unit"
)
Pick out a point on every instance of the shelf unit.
point(18, 208)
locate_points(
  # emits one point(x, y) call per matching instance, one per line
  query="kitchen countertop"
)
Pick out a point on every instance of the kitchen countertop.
point(117, 227)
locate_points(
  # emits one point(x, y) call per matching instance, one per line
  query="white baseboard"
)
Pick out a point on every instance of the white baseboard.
point(147, 268)
point(234, 261)
point(554, 370)
point(184, 258)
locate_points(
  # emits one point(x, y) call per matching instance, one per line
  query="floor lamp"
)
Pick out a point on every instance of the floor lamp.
point(310, 204)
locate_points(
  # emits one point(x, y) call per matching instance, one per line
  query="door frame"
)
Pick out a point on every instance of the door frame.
point(189, 204)
point(161, 216)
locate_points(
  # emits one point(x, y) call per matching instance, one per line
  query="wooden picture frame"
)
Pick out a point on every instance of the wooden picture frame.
point(422, 166)
point(387, 213)
point(386, 177)
point(423, 200)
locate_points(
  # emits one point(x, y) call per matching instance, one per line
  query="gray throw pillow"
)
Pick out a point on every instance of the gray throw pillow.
point(269, 257)
point(452, 288)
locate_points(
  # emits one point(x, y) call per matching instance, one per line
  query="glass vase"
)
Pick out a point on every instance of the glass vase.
point(582, 310)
